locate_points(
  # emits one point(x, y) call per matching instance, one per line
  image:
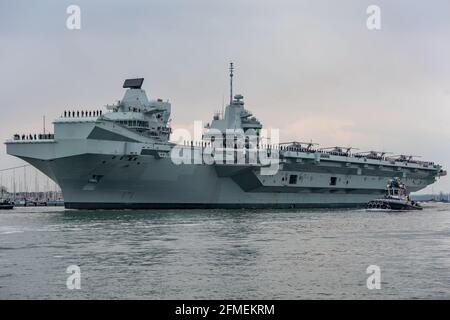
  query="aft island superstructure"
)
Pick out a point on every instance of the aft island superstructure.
point(123, 159)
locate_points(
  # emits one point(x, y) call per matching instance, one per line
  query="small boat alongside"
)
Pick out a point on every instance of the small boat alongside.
point(6, 204)
point(396, 199)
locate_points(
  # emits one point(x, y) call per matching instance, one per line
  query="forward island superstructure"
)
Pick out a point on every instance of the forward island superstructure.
point(123, 159)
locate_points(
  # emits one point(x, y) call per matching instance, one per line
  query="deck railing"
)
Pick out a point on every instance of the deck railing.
point(30, 137)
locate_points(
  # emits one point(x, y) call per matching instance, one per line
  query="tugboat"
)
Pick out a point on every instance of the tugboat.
point(396, 199)
point(6, 204)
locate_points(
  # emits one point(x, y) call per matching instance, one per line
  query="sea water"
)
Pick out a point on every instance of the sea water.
point(224, 254)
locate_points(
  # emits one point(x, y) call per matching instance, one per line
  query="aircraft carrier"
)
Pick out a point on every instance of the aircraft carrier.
point(124, 158)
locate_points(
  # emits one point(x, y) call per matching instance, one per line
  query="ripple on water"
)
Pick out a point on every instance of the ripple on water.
point(216, 254)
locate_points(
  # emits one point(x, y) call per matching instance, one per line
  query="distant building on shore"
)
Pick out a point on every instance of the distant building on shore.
point(442, 197)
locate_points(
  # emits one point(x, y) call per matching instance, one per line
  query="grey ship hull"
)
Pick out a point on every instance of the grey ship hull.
point(125, 182)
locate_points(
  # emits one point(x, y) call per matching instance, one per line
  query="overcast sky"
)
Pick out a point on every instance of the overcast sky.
point(310, 68)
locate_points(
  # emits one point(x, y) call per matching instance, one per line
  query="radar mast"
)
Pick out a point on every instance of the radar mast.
point(231, 82)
